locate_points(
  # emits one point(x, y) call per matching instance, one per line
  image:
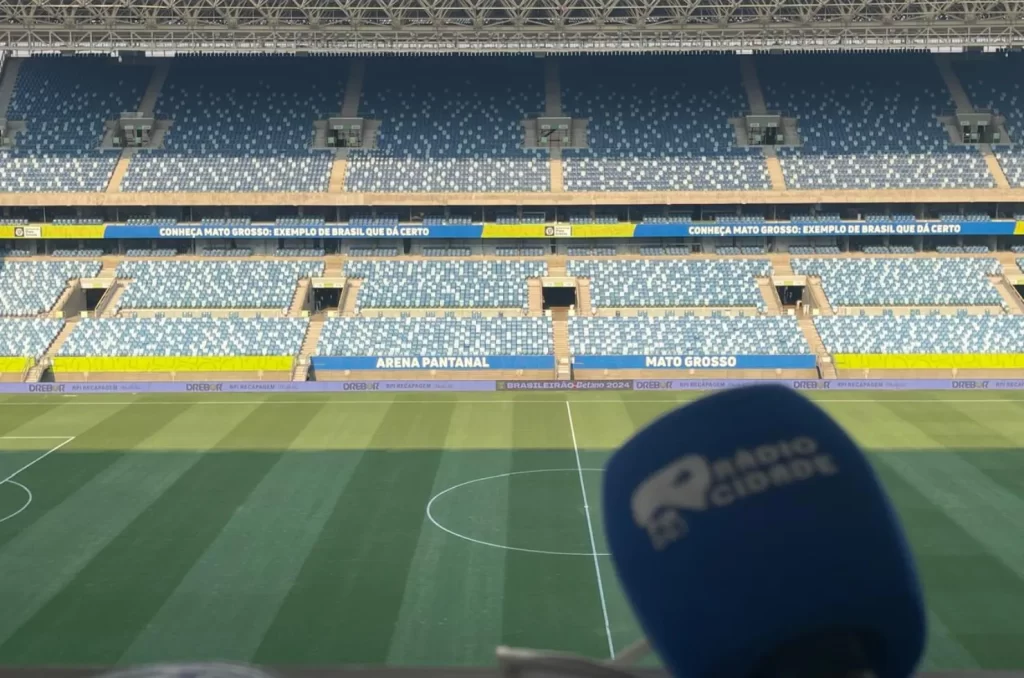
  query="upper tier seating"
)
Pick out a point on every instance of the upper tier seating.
point(15, 253)
point(155, 252)
point(27, 337)
point(91, 253)
point(922, 334)
point(436, 336)
point(882, 249)
point(373, 251)
point(308, 252)
point(185, 337)
point(447, 251)
point(867, 121)
point(670, 250)
point(658, 123)
point(214, 284)
point(64, 102)
point(935, 281)
point(519, 251)
point(33, 287)
point(241, 124)
point(631, 283)
point(444, 284)
point(686, 335)
point(596, 251)
point(996, 83)
point(447, 221)
point(450, 124)
point(228, 253)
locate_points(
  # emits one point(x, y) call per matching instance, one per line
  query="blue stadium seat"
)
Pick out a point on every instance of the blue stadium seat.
point(33, 287)
point(241, 124)
point(687, 335)
point(214, 284)
point(27, 337)
point(436, 336)
point(922, 334)
point(632, 283)
point(937, 281)
point(868, 121)
point(443, 284)
point(449, 124)
point(201, 336)
point(658, 123)
point(64, 102)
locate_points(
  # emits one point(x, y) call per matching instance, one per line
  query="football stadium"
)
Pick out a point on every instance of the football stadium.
point(321, 321)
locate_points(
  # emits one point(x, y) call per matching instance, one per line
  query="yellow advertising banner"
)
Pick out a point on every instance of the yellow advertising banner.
point(603, 230)
point(929, 361)
point(518, 231)
point(52, 232)
point(15, 364)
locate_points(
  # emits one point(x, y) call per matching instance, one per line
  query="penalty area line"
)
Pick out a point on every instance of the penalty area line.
point(44, 455)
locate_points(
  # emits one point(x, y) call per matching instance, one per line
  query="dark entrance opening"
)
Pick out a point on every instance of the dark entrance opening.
point(790, 294)
point(559, 297)
point(1020, 290)
point(326, 298)
point(93, 296)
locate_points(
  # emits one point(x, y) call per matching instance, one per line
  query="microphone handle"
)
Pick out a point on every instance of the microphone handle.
point(837, 653)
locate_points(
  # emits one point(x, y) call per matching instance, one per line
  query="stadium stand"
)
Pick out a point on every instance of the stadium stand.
point(27, 337)
point(642, 283)
point(997, 85)
point(373, 252)
point(519, 251)
point(15, 253)
point(670, 250)
point(449, 124)
point(892, 334)
point(307, 252)
point(136, 337)
point(658, 123)
point(935, 281)
point(447, 251)
point(64, 102)
point(436, 336)
point(606, 251)
point(213, 284)
point(241, 124)
point(868, 121)
point(90, 253)
point(443, 283)
point(687, 335)
point(33, 287)
point(156, 252)
point(447, 221)
point(235, 252)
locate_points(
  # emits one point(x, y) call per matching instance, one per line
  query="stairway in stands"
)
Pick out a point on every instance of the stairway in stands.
point(560, 330)
point(37, 370)
point(309, 343)
point(828, 370)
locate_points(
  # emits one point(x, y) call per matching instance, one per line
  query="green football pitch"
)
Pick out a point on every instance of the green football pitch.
point(295, 530)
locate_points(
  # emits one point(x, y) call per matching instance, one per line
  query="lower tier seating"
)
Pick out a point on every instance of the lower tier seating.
point(436, 336)
point(922, 334)
point(687, 335)
point(27, 337)
point(137, 337)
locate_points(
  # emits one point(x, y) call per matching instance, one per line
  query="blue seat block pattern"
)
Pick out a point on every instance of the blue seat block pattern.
point(922, 334)
point(687, 335)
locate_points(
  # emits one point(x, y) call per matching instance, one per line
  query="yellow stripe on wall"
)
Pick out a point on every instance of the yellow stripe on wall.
point(515, 231)
point(603, 230)
point(929, 361)
point(174, 364)
point(15, 364)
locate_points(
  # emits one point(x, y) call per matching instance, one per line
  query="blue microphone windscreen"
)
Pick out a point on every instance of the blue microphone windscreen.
point(748, 520)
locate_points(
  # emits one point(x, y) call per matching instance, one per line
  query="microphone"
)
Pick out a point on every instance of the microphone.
point(753, 540)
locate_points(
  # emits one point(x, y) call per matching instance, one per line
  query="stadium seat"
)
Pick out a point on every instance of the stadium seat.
point(185, 337)
point(443, 284)
point(922, 334)
point(937, 281)
point(658, 123)
point(33, 287)
point(631, 283)
point(64, 102)
point(436, 336)
point(687, 335)
point(450, 124)
point(868, 121)
point(241, 124)
point(214, 284)
point(27, 337)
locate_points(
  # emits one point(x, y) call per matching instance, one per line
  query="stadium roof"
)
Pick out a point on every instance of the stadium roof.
point(492, 26)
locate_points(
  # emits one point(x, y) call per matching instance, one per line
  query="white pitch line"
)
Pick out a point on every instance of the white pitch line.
point(590, 529)
point(36, 460)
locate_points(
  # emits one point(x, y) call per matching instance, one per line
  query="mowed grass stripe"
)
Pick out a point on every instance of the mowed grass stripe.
point(248, 570)
point(462, 579)
point(53, 540)
point(969, 590)
point(344, 604)
point(96, 616)
point(551, 601)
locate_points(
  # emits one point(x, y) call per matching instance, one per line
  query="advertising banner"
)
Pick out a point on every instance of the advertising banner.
point(929, 361)
point(140, 387)
point(686, 362)
point(490, 362)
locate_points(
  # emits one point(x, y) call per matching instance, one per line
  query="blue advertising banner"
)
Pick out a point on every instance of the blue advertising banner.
point(479, 362)
point(195, 231)
point(697, 362)
point(719, 230)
